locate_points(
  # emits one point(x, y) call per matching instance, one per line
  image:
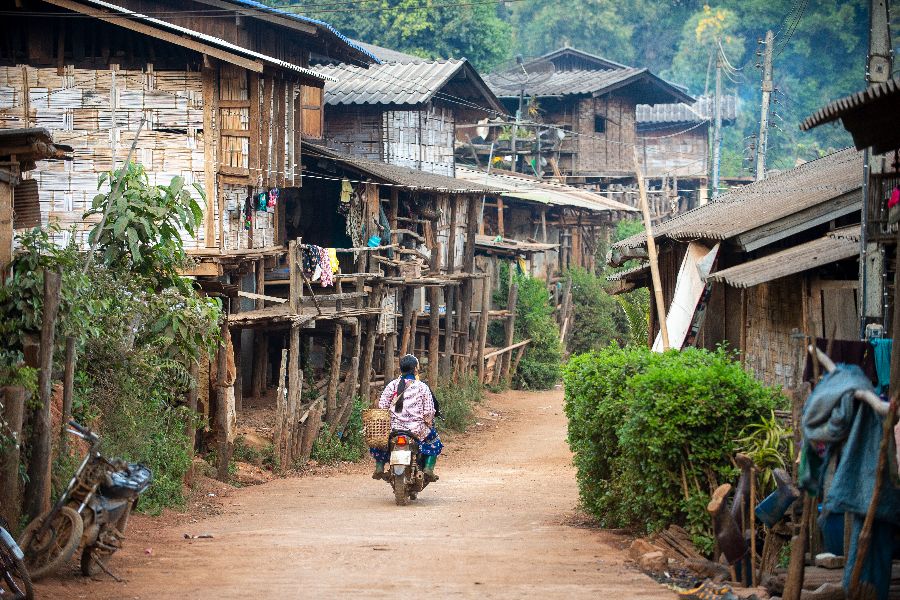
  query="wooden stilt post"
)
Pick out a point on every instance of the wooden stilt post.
point(365, 382)
point(434, 319)
point(510, 330)
point(468, 285)
point(190, 430)
point(37, 490)
point(651, 251)
point(331, 407)
point(293, 400)
point(223, 446)
point(281, 410)
point(483, 322)
point(450, 293)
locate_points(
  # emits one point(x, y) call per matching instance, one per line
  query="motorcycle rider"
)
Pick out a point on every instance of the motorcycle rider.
point(413, 408)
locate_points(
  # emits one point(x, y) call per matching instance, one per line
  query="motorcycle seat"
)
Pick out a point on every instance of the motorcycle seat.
point(130, 481)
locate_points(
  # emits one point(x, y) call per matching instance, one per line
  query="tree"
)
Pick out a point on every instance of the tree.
point(695, 59)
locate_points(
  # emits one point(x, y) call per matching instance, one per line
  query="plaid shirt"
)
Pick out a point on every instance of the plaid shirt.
point(417, 414)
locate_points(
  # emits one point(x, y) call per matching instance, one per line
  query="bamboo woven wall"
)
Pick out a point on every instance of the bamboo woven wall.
point(422, 139)
point(98, 112)
point(774, 312)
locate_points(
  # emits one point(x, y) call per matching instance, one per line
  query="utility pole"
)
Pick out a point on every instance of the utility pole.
point(767, 89)
point(515, 131)
point(717, 127)
point(879, 64)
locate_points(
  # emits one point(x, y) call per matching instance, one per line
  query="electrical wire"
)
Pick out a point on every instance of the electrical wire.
point(793, 29)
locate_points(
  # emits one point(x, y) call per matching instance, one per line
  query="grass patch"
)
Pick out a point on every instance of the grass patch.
point(347, 445)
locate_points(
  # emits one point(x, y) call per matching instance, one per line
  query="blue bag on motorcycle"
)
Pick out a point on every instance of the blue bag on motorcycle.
point(130, 481)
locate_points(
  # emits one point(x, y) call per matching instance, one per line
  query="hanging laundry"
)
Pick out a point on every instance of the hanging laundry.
point(332, 255)
point(272, 200)
point(346, 191)
point(895, 197)
point(317, 264)
point(248, 213)
point(261, 201)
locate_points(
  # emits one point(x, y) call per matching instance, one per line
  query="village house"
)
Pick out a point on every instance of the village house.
point(592, 102)
point(674, 145)
point(761, 269)
point(404, 112)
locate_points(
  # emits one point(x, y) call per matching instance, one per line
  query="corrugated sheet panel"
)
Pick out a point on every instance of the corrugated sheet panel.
point(397, 175)
point(560, 83)
point(701, 110)
point(834, 110)
point(543, 192)
point(26, 205)
point(763, 202)
point(386, 54)
point(836, 246)
point(390, 83)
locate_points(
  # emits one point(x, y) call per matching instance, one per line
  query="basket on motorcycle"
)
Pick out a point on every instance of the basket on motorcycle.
point(129, 481)
point(376, 427)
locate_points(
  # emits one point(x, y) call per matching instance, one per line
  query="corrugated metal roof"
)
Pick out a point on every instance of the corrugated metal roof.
point(587, 81)
point(543, 192)
point(562, 83)
point(835, 246)
point(510, 246)
point(303, 19)
point(403, 176)
point(835, 110)
point(763, 202)
point(599, 61)
point(389, 83)
point(214, 41)
point(386, 54)
point(701, 110)
point(636, 272)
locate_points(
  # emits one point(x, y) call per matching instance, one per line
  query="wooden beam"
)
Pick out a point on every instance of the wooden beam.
point(265, 153)
point(262, 16)
point(509, 348)
point(6, 226)
point(510, 331)
point(210, 82)
point(483, 321)
point(262, 297)
point(434, 319)
point(203, 269)
point(500, 229)
point(121, 20)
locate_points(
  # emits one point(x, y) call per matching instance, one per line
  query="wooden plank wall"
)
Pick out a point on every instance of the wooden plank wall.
point(247, 142)
point(422, 139)
point(604, 152)
point(82, 108)
point(683, 155)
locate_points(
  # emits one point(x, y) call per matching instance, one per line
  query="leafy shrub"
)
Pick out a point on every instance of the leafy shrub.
point(597, 316)
point(457, 402)
point(653, 433)
point(540, 367)
point(349, 445)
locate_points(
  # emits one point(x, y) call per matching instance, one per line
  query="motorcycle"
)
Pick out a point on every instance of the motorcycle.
point(14, 578)
point(405, 471)
point(92, 512)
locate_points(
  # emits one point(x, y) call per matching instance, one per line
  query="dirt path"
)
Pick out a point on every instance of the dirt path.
point(495, 526)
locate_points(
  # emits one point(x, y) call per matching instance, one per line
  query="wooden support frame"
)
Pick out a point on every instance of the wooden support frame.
point(210, 82)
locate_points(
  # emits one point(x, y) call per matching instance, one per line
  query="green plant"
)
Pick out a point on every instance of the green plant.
point(540, 366)
point(597, 320)
point(244, 453)
point(457, 402)
point(653, 433)
point(636, 307)
point(769, 444)
point(143, 224)
point(348, 445)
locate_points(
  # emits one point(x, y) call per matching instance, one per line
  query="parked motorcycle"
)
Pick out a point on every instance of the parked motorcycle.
point(92, 512)
point(14, 577)
point(405, 471)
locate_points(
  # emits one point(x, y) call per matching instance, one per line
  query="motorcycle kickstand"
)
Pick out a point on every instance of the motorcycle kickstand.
point(106, 570)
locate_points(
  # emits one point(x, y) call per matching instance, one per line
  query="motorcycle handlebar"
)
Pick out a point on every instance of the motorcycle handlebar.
point(84, 431)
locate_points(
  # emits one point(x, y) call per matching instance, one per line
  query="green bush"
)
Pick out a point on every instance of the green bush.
point(457, 402)
point(349, 445)
point(598, 318)
point(540, 367)
point(653, 434)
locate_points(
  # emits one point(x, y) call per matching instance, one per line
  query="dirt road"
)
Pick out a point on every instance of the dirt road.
point(497, 525)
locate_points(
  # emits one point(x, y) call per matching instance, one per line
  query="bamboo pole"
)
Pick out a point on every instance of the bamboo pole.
point(281, 408)
point(68, 392)
point(483, 322)
point(434, 319)
point(651, 251)
point(510, 332)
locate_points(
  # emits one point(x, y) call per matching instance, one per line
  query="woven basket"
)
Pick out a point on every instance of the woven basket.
point(377, 427)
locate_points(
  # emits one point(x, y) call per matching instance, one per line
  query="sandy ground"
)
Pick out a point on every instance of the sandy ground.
point(500, 523)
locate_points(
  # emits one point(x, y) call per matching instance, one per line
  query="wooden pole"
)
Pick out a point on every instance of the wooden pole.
point(468, 285)
point(68, 392)
point(337, 345)
point(13, 414)
point(190, 431)
point(651, 251)
point(293, 400)
point(483, 322)
point(281, 410)
point(37, 490)
point(510, 332)
point(365, 381)
point(296, 283)
point(797, 566)
point(434, 319)
point(223, 447)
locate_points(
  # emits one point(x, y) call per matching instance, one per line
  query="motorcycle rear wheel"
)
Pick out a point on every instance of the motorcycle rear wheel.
point(93, 554)
point(401, 493)
point(56, 544)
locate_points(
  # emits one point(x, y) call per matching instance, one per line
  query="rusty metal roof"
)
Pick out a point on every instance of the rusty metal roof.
point(405, 83)
point(29, 145)
point(757, 204)
point(701, 110)
point(531, 189)
point(397, 175)
point(580, 82)
point(837, 245)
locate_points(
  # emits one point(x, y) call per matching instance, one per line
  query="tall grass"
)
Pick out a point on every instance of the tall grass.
point(457, 401)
